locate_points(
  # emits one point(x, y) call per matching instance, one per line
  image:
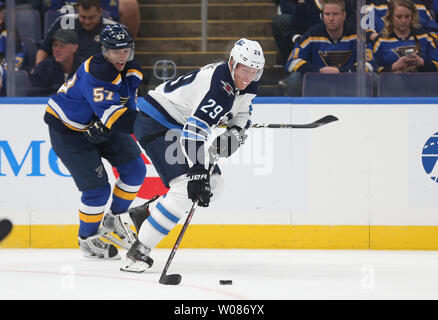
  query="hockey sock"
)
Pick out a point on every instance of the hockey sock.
point(131, 177)
point(91, 211)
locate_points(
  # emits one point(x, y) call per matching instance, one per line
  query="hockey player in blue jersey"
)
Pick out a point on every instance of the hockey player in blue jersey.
point(91, 118)
point(175, 127)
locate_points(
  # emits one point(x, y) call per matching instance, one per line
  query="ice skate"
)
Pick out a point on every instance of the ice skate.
point(139, 214)
point(137, 259)
point(93, 247)
point(112, 226)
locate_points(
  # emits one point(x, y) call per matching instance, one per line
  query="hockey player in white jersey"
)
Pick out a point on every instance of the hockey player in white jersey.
point(175, 127)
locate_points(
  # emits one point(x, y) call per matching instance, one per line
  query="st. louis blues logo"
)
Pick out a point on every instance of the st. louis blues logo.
point(228, 88)
point(99, 171)
point(430, 156)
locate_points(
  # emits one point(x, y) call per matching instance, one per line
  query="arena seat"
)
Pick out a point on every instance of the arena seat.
point(30, 48)
point(49, 17)
point(22, 83)
point(334, 85)
point(421, 84)
point(28, 24)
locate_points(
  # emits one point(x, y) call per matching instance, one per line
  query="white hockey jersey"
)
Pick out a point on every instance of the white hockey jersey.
point(200, 101)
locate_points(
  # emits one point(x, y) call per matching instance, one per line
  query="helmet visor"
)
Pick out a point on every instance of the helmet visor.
point(118, 55)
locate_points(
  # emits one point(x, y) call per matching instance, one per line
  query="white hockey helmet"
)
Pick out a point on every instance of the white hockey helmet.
point(248, 53)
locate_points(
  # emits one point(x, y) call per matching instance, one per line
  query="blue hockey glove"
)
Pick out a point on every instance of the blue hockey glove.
point(97, 132)
point(198, 187)
point(228, 142)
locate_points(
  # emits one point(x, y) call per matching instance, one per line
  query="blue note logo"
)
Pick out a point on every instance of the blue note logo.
point(430, 156)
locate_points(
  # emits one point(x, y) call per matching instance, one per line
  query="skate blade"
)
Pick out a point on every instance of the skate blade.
point(125, 244)
point(132, 237)
point(93, 256)
point(134, 266)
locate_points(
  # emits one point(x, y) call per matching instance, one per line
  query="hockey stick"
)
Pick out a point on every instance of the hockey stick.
point(175, 279)
point(5, 228)
point(312, 125)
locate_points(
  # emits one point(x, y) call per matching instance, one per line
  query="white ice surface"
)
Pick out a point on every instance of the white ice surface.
point(256, 274)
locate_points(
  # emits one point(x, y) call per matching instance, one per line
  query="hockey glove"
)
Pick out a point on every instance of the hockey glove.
point(97, 132)
point(228, 142)
point(198, 187)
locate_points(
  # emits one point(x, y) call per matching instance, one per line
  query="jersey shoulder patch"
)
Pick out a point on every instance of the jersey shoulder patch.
point(133, 68)
point(222, 82)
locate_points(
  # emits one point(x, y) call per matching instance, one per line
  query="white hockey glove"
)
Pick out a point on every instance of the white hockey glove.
point(228, 142)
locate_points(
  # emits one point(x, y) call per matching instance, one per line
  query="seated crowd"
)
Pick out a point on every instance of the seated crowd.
point(321, 37)
point(312, 36)
point(71, 38)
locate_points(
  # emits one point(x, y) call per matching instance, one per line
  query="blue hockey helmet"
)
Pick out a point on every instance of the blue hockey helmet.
point(117, 36)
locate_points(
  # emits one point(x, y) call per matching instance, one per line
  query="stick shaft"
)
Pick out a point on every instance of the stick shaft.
point(311, 125)
point(178, 240)
point(184, 228)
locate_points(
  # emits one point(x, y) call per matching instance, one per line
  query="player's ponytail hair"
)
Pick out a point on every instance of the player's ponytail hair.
point(389, 22)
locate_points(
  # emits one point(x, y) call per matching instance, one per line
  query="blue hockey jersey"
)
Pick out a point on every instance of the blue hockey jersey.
point(316, 50)
point(386, 51)
point(97, 89)
point(379, 8)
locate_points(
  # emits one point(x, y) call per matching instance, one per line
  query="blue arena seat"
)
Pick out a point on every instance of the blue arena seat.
point(422, 84)
point(22, 83)
point(30, 48)
point(28, 24)
point(334, 85)
point(49, 17)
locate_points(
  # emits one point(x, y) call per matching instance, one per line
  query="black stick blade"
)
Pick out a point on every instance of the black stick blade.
point(326, 119)
point(5, 228)
point(170, 279)
point(316, 124)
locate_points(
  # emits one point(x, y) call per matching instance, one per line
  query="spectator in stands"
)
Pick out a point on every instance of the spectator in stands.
point(380, 8)
point(298, 17)
point(125, 11)
point(19, 50)
point(52, 72)
point(88, 23)
point(328, 47)
point(129, 11)
point(402, 46)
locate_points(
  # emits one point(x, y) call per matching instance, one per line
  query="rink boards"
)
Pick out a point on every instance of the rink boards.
point(366, 181)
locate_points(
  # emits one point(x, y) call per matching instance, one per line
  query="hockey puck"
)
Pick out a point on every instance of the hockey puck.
point(226, 282)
